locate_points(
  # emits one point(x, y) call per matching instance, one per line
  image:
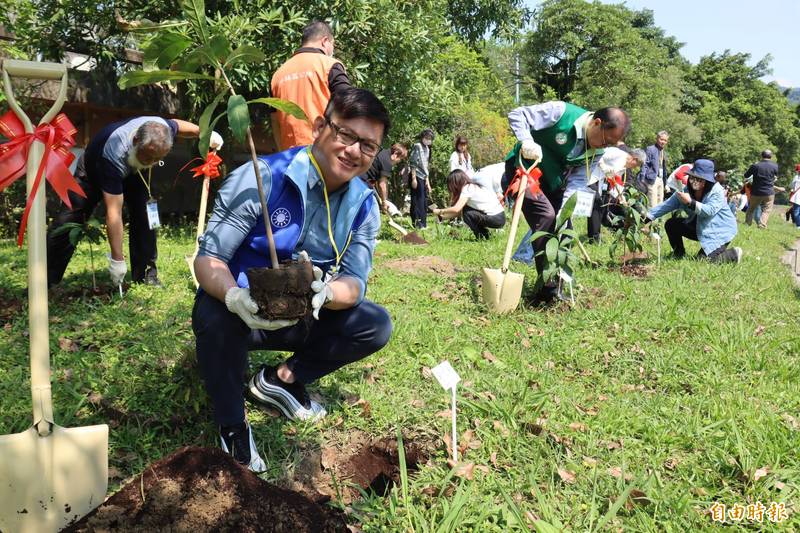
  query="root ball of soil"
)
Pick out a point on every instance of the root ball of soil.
point(282, 293)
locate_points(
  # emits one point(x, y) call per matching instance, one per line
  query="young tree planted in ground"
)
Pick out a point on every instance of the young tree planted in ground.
point(92, 230)
point(630, 235)
point(557, 252)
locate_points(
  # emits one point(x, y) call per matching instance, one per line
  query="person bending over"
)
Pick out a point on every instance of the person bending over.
point(478, 206)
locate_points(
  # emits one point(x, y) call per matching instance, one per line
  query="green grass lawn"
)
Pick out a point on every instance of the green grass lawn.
point(680, 390)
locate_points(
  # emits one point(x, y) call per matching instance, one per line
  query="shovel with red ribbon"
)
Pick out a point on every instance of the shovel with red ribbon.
point(209, 169)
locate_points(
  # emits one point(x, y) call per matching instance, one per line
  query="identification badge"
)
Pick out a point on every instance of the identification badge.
point(152, 215)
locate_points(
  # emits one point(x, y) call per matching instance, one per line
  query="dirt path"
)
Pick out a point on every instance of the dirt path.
point(791, 258)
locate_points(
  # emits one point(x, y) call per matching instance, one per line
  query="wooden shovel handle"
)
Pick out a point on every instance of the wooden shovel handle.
point(512, 234)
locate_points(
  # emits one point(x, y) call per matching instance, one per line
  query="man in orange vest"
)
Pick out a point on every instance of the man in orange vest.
point(308, 79)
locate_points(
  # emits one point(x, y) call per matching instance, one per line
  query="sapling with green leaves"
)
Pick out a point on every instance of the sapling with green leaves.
point(630, 223)
point(91, 230)
point(192, 50)
point(557, 251)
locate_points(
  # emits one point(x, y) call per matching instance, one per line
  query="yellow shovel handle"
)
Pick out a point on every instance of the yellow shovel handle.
point(512, 234)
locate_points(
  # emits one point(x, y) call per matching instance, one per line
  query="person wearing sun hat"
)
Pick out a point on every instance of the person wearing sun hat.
point(710, 221)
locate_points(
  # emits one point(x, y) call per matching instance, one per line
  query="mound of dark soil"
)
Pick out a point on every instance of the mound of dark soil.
point(204, 489)
point(635, 271)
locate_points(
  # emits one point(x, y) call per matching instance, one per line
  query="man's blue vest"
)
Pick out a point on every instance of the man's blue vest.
point(286, 203)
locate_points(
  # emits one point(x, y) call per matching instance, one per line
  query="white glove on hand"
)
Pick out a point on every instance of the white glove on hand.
point(322, 291)
point(215, 142)
point(117, 270)
point(530, 150)
point(238, 301)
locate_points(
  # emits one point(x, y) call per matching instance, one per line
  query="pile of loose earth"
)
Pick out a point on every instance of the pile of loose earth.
point(204, 489)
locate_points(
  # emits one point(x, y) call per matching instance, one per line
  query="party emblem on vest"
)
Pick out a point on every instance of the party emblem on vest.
point(561, 138)
point(280, 217)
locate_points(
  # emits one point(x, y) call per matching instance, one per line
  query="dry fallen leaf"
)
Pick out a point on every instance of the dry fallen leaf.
point(614, 445)
point(114, 473)
point(489, 357)
point(759, 331)
point(549, 365)
point(417, 403)
point(602, 398)
point(566, 476)
point(589, 461)
point(780, 485)
point(95, 398)
point(436, 295)
point(493, 459)
point(500, 428)
point(67, 345)
point(617, 473)
point(671, 463)
point(525, 343)
point(637, 497)
point(761, 472)
point(458, 322)
point(465, 470)
point(426, 372)
point(577, 426)
point(444, 414)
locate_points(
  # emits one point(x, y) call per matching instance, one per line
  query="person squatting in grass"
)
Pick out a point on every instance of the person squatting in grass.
point(710, 221)
point(113, 169)
point(316, 209)
point(478, 206)
point(569, 141)
point(377, 177)
point(419, 178)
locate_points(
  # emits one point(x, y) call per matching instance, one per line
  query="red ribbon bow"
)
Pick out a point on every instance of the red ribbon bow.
point(57, 137)
point(533, 181)
point(614, 181)
point(208, 169)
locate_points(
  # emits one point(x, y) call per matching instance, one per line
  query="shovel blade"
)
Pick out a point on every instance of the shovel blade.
point(46, 483)
point(501, 291)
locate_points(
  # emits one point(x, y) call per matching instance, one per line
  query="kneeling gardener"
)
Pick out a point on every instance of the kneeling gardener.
point(317, 210)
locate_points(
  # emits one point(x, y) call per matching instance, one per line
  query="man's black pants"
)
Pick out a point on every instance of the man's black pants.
point(541, 216)
point(142, 240)
point(223, 340)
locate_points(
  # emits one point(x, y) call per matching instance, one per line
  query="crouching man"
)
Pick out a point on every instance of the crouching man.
point(317, 210)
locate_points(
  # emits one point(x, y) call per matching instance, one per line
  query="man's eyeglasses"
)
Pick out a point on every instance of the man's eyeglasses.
point(368, 148)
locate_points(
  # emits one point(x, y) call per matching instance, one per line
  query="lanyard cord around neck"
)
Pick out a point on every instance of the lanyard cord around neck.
point(328, 211)
point(147, 181)
point(586, 151)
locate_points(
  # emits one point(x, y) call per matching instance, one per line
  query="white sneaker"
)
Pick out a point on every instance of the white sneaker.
point(240, 444)
point(266, 389)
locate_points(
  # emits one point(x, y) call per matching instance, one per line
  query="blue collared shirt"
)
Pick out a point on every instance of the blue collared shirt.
point(237, 210)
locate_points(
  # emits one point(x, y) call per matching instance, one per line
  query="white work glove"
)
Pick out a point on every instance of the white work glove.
point(238, 301)
point(322, 291)
point(117, 270)
point(215, 142)
point(530, 150)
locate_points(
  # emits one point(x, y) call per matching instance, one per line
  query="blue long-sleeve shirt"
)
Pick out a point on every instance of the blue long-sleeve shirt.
point(716, 225)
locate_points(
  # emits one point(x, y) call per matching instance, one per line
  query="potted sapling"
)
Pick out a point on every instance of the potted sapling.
point(193, 50)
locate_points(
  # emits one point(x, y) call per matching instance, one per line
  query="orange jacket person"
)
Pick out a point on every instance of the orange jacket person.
point(308, 79)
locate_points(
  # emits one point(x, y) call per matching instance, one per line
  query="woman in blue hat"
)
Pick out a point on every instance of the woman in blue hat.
point(710, 221)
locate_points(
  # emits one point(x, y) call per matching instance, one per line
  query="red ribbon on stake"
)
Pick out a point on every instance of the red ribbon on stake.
point(210, 167)
point(57, 137)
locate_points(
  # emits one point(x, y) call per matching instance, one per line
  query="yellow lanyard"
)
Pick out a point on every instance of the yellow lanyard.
point(147, 182)
point(328, 210)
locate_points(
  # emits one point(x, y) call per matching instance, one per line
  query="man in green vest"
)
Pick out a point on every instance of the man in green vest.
point(569, 141)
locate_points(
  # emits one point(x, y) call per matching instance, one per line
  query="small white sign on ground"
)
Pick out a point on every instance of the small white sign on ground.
point(447, 377)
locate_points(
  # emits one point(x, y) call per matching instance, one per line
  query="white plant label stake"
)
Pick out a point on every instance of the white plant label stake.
point(447, 377)
point(657, 237)
point(566, 278)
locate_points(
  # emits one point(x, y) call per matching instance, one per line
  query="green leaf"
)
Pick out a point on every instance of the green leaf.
point(551, 249)
point(195, 12)
point(192, 61)
point(165, 48)
point(144, 25)
point(140, 77)
point(566, 211)
point(238, 117)
point(204, 124)
point(245, 54)
point(220, 47)
point(75, 235)
point(539, 234)
point(540, 526)
point(65, 228)
point(290, 108)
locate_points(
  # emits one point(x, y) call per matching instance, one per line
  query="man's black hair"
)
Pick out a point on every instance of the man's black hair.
point(766, 154)
point(315, 30)
point(357, 103)
point(613, 118)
